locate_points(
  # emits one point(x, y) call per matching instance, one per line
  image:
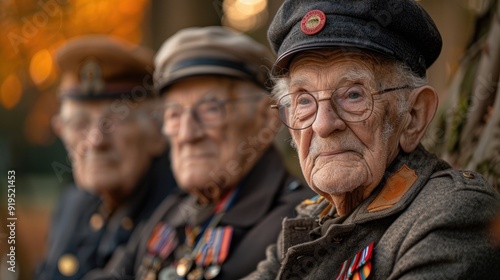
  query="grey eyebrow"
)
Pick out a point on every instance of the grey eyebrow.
point(71, 116)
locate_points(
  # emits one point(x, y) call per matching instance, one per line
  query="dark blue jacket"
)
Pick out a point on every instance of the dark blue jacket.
point(83, 236)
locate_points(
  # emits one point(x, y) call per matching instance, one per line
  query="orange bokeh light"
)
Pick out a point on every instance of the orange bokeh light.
point(40, 66)
point(11, 91)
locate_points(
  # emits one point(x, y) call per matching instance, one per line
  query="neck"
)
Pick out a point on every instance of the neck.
point(113, 200)
point(110, 202)
point(344, 203)
point(210, 195)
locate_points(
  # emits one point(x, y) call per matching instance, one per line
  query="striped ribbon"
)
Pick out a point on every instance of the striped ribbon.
point(357, 267)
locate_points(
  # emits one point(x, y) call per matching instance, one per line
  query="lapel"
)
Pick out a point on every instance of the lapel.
point(404, 179)
point(261, 186)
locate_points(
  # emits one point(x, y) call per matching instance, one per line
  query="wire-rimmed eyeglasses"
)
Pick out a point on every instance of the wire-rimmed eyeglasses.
point(352, 104)
point(208, 113)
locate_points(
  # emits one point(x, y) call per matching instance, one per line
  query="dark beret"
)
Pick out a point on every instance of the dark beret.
point(211, 50)
point(401, 29)
point(103, 67)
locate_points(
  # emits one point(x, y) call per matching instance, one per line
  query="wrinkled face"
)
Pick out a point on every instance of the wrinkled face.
point(337, 156)
point(110, 147)
point(213, 142)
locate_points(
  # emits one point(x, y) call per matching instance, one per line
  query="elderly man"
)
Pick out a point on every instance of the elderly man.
point(235, 188)
point(350, 85)
point(118, 154)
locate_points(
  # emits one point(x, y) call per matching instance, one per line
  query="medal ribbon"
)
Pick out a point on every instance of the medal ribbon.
point(358, 267)
point(163, 241)
point(208, 247)
point(227, 234)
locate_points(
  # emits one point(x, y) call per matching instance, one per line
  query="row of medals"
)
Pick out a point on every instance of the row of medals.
point(184, 269)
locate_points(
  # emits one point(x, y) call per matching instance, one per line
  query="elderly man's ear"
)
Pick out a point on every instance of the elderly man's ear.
point(56, 123)
point(423, 105)
point(158, 142)
point(270, 117)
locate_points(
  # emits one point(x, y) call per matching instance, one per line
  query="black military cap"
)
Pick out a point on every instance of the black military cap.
point(398, 28)
point(103, 67)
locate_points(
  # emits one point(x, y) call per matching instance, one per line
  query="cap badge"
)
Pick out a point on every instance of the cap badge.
point(313, 22)
point(91, 77)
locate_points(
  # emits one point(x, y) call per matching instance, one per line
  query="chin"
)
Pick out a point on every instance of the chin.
point(340, 184)
point(191, 182)
point(98, 185)
point(335, 189)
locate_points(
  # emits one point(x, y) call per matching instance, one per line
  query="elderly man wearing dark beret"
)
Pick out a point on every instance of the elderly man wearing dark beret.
point(235, 188)
point(350, 85)
point(119, 158)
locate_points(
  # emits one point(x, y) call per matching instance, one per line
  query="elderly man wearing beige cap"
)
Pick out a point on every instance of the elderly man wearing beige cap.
point(119, 159)
point(235, 188)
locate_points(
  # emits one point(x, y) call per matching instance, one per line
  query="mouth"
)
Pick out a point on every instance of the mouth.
point(198, 156)
point(332, 153)
point(102, 160)
point(336, 154)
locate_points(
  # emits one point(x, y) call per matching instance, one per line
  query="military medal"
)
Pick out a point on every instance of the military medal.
point(184, 266)
point(151, 275)
point(196, 274)
point(167, 273)
point(161, 244)
point(211, 272)
point(212, 246)
point(220, 251)
point(214, 269)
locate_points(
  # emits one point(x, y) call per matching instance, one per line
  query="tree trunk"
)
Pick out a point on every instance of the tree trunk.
point(466, 131)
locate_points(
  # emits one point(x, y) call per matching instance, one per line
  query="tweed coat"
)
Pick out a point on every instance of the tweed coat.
point(425, 219)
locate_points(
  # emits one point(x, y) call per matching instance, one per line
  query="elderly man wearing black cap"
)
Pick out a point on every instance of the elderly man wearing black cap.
point(119, 159)
point(350, 85)
point(235, 188)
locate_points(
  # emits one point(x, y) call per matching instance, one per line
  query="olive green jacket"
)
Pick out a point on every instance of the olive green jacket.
point(426, 221)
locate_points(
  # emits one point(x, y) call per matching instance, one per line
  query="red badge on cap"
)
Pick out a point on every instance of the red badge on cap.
point(313, 22)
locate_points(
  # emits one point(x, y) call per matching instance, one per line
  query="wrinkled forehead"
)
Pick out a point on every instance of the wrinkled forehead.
point(334, 66)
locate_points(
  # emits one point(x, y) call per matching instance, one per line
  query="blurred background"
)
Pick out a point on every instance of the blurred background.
point(30, 31)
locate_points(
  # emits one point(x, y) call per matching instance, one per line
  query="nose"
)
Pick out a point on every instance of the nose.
point(327, 120)
point(96, 137)
point(189, 128)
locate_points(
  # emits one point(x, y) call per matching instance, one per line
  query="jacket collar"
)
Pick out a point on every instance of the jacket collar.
point(261, 186)
point(419, 165)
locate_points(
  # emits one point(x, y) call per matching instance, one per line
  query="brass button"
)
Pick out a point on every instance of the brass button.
point(96, 222)
point(67, 265)
point(127, 223)
point(468, 174)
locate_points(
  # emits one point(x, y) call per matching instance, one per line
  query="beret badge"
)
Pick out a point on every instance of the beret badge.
point(313, 22)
